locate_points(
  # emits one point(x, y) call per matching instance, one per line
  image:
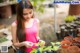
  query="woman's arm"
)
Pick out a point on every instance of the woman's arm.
point(16, 43)
point(38, 38)
point(38, 26)
point(14, 37)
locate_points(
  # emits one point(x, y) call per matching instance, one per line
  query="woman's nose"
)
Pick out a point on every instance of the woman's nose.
point(29, 15)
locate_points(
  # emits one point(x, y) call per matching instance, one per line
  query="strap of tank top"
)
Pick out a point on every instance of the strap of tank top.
point(35, 20)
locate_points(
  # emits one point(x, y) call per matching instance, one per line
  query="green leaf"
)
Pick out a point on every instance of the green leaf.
point(70, 18)
point(57, 42)
point(48, 48)
point(38, 5)
point(34, 51)
point(3, 39)
point(52, 43)
point(55, 48)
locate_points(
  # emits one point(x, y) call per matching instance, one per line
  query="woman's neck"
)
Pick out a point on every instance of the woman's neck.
point(28, 20)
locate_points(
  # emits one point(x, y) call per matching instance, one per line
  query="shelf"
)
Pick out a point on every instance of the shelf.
point(8, 3)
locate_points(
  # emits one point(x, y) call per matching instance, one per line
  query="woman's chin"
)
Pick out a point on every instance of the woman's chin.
point(27, 19)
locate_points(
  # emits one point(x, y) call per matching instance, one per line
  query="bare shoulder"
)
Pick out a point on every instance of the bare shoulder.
point(13, 24)
point(37, 20)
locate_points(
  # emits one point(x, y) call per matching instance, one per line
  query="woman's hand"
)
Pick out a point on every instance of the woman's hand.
point(28, 44)
point(42, 43)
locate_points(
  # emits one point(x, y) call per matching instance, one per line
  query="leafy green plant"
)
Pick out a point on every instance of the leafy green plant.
point(3, 39)
point(69, 18)
point(54, 47)
point(39, 47)
point(38, 5)
point(77, 20)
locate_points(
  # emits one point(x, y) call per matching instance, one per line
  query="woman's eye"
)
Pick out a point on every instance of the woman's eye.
point(30, 12)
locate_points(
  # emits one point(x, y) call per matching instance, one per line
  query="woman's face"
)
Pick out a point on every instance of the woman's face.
point(27, 13)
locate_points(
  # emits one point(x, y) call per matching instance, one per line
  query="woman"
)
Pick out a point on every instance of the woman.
point(26, 28)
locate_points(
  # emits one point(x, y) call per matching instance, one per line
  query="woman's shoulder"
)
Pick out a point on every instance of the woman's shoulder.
point(37, 20)
point(14, 23)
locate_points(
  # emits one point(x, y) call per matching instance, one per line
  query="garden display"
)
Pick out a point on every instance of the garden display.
point(69, 35)
point(70, 41)
point(73, 49)
point(71, 27)
point(65, 45)
point(77, 41)
point(47, 49)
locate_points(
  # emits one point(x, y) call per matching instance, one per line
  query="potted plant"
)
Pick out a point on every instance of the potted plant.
point(38, 48)
point(65, 43)
point(47, 49)
point(69, 19)
point(77, 21)
point(73, 49)
point(55, 46)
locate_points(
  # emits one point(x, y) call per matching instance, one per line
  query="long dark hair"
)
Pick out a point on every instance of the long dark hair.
point(20, 19)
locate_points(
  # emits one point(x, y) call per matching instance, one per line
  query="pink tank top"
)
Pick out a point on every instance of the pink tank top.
point(31, 34)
